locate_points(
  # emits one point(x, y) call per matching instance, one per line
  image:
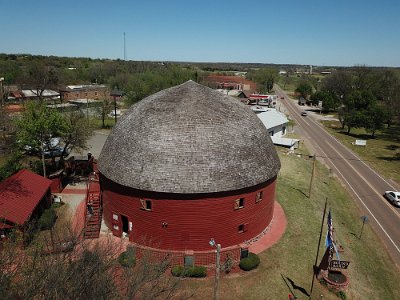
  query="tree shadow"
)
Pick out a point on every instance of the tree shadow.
point(389, 158)
point(293, 286)
point(300, 191)
point(392, 147)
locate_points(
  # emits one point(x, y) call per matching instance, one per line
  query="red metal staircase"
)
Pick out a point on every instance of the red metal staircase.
point(93, 208)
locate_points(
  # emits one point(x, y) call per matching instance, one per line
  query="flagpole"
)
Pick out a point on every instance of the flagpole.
point(319, 244)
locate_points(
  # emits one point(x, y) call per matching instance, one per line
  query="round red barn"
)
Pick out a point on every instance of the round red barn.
point(185, 165)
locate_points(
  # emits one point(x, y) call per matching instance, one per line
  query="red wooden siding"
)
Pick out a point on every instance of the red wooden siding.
point(175, 223)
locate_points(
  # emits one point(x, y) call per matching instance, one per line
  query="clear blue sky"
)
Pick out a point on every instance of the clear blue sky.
point(317, 32)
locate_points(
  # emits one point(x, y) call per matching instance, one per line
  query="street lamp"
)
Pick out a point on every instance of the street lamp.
point(217, 267)
point(1, 91)
point(116, 94)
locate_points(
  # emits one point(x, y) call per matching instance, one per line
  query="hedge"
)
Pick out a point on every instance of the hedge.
point(249, 263)
point(196, 271)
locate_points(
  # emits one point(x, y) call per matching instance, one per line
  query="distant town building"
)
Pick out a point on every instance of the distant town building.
point(89, 91)
point(229, 82)
point(32, 94)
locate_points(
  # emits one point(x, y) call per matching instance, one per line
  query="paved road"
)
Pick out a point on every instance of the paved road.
point(95, 143)
point(364, 184)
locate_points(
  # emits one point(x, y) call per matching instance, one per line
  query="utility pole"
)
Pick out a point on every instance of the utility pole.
point(124, 48)
point(319, 244)
point(312, 176)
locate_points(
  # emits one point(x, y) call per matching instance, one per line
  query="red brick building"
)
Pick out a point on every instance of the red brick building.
point(185, 165)
point(229, 82)
point(89, 91)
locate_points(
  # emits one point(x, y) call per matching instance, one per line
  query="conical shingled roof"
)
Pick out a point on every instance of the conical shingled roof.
point(189, 139)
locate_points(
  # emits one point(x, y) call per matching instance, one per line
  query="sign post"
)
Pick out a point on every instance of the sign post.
point(364, 220)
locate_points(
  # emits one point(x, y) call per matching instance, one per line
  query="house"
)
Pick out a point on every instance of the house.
point(34, 94)
point(23, 197)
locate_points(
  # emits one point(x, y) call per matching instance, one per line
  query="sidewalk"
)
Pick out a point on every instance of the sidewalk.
point(273, 235)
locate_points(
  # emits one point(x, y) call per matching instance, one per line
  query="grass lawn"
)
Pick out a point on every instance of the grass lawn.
point(371, 273)
point(380, 152)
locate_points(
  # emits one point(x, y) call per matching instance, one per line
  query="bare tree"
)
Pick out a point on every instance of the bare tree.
point(61, 265)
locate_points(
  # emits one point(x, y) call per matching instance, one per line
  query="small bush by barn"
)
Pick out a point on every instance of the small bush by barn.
point(249, 263)
point(195, 272)
point(47, 219)
point(127, 258)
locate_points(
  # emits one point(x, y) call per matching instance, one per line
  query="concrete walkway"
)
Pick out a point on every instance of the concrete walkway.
point(275, 232)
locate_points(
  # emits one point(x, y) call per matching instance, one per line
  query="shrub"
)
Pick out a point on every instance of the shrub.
point(249, 263)
point(127, 258)
point(56, 205)
point(47, 219)
point(177, 271)
point(196, 271)
point(342, 295)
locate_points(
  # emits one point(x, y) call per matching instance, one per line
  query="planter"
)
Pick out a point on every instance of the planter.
point(335, 279)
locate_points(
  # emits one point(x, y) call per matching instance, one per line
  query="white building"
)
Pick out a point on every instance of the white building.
point(276, 124)
point(274, 121)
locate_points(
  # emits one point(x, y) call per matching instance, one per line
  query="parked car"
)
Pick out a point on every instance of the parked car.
point(112, 113)
point(393, 197)
point(304, 114)
point(57, 151)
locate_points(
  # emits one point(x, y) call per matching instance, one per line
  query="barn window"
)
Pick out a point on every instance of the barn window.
point(238, 203)
point(259, 197)
point(116, 227)
point(146, 204)
point(242, 228)
point(115, 217)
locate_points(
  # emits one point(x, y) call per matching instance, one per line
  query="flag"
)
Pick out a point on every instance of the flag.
point(329, 236)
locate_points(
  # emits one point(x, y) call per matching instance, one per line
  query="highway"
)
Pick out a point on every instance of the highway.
point(365, 185)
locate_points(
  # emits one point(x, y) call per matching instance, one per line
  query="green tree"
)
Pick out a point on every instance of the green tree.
point(264, 77)
point(359, 100)
point(74, 134)
point(329, 102)
point(339, 84)
point(389, 92)
point(40, 77)
point(355, 119)
point(304, 89)
point(37, 126)
point(375, 119)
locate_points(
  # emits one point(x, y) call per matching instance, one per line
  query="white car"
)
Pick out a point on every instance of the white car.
point(393, 197)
